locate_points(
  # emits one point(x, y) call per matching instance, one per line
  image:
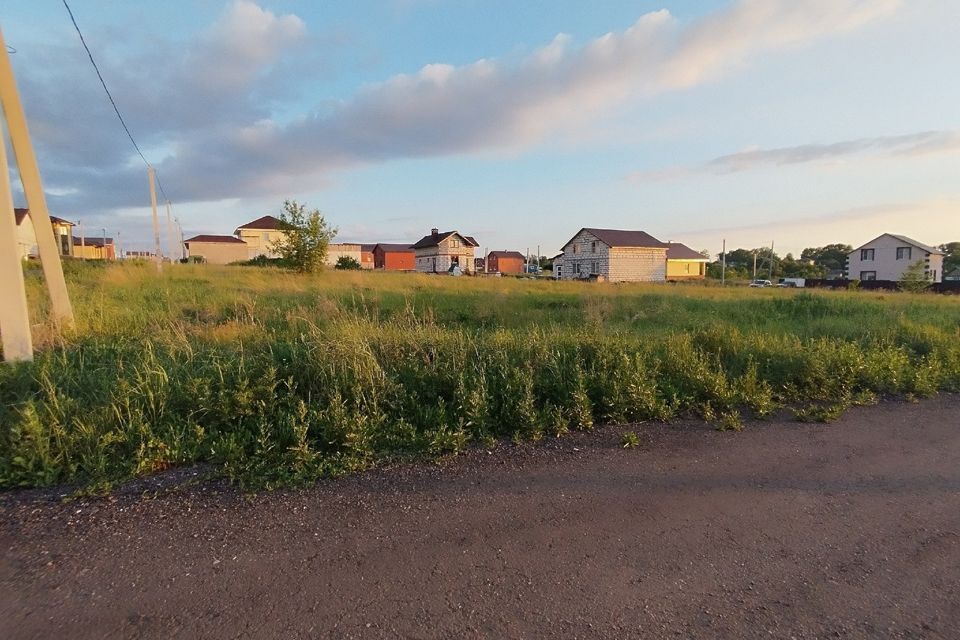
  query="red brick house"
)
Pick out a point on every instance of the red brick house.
point(394, 257)
point(505, 262)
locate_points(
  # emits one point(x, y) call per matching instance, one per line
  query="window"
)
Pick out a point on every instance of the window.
point(593, 247)
point(576, 248)
point(904, 253)
point(867, 254)
point(593, 267)
point(265, 236)
point(454, 243)
point(868, 275)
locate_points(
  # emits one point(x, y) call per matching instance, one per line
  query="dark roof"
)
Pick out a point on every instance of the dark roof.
point(433, 240)
point(507, 254)
point(394, 248)
point(621, 238)
point(20, 214)
point(367, 247)
point(679, 251)
point(91, 241)
point(211, 238)
point(267, 223)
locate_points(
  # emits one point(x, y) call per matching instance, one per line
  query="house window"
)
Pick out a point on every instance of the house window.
point(904, 253)
point(576, 248)
point(593, 267)
point(593, 247)
point(265, 236)
point(868, 275)
point(454, 243)
point(867, 254)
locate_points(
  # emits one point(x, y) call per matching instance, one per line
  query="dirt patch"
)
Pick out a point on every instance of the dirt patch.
point(785, 530)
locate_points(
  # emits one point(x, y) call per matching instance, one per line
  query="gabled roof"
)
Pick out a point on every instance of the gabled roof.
point(394, 248)
point(622, 238)
point(215, 239)
point(679, 251)
point(265, 223)
point(366, 248)
point(433, 240)
point(903, 239)
point(21, 214)
point(507, 254)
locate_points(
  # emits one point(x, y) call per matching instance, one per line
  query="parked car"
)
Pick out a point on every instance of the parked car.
point(761, 283)
point(792, 282)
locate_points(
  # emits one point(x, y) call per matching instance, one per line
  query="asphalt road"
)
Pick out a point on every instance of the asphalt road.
point(847, 530)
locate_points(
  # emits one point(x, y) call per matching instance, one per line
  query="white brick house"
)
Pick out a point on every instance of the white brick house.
point(887, 257)
point(438, 252)
point(614, 255)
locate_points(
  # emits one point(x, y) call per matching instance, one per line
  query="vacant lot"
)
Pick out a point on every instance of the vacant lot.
point(849, 530)
point(274, 378)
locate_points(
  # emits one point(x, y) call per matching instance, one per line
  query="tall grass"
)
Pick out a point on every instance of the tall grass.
point(275, 378)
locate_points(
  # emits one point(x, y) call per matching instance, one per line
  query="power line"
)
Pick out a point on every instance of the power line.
point(109, 95)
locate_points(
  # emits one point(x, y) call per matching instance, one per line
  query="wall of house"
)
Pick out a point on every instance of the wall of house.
point(219, 252)
point(583, 256)
point(439, 258)
point(885, 262)
point(366, 259)
point(336, 251)
point(395, 260)
point(586, 255)
point(259, 242)
point(27, 239)
point(505, 264)
point(686, 269)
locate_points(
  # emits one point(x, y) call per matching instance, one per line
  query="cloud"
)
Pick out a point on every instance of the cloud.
point(205, 108)
point(911, 145)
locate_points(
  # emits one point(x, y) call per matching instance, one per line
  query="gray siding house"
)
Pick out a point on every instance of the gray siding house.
point(888, 256)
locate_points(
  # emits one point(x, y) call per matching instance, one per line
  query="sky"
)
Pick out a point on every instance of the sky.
point(745, 121)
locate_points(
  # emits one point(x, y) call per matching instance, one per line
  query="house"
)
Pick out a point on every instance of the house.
point(394, 257)
point(683, 263)
point(338, 250)
point(260, 235)
point(505, 262)
point(441, 252)
point(366, 256)
point(614, 255)
point(218, 249)
point(27, 236)
point(94, 248)
point(888, 256)
point(953, 276)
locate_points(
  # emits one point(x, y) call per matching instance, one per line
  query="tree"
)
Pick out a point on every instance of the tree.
point(951, 256)
point(307, 235)
point(915, 278)
point(346, 263)
point(832, 257)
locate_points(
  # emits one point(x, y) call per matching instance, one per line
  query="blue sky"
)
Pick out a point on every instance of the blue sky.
point(801, 123)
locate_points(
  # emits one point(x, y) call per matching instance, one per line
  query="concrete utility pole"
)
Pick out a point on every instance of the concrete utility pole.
point(83, 243)
point(723, 264)
point(103, 249)
point(151, 174)
point(169, 233)
point(770, 271)
point(14, 318)
point(754, 264)
point(180, 248)
point(33, 190)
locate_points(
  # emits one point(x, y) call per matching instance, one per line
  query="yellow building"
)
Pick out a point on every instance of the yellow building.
point(683, 263)
point(98, 248)
point(260, 235)
point(217, 249)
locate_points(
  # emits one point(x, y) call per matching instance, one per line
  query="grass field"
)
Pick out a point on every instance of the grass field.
point(273, 377)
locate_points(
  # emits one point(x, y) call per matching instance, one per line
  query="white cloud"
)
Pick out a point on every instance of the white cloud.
point(225, 144)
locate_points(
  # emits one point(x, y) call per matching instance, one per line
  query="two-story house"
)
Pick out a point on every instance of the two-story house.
point(888, 256)
point(614, 255)
point(441, 252)
point(260, 235)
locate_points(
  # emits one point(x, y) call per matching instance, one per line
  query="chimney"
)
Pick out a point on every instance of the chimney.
point(434, 232)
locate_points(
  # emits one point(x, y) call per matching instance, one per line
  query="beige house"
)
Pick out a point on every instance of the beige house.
point(95, 248)
point(217, 249)
point(260, 235)
point(27, 235)
point(335, 251)
point(613, 255)
point(441, 252)
point(888, 256)
point(683, 263)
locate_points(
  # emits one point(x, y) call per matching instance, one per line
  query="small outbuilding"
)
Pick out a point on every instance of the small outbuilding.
point(683, 263)
point(217, 249)
point(505, 262)
point(394, 257)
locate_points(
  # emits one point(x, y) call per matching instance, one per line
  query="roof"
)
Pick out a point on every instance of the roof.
point(679, 251)
point(507, 254)
point(367, 247)
point(21, 214)
point(622, 238)
point(433, 240)
point(394, 248)
point(905, 240)
point(215, 239)
point(91, 241)
point(267, 223)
